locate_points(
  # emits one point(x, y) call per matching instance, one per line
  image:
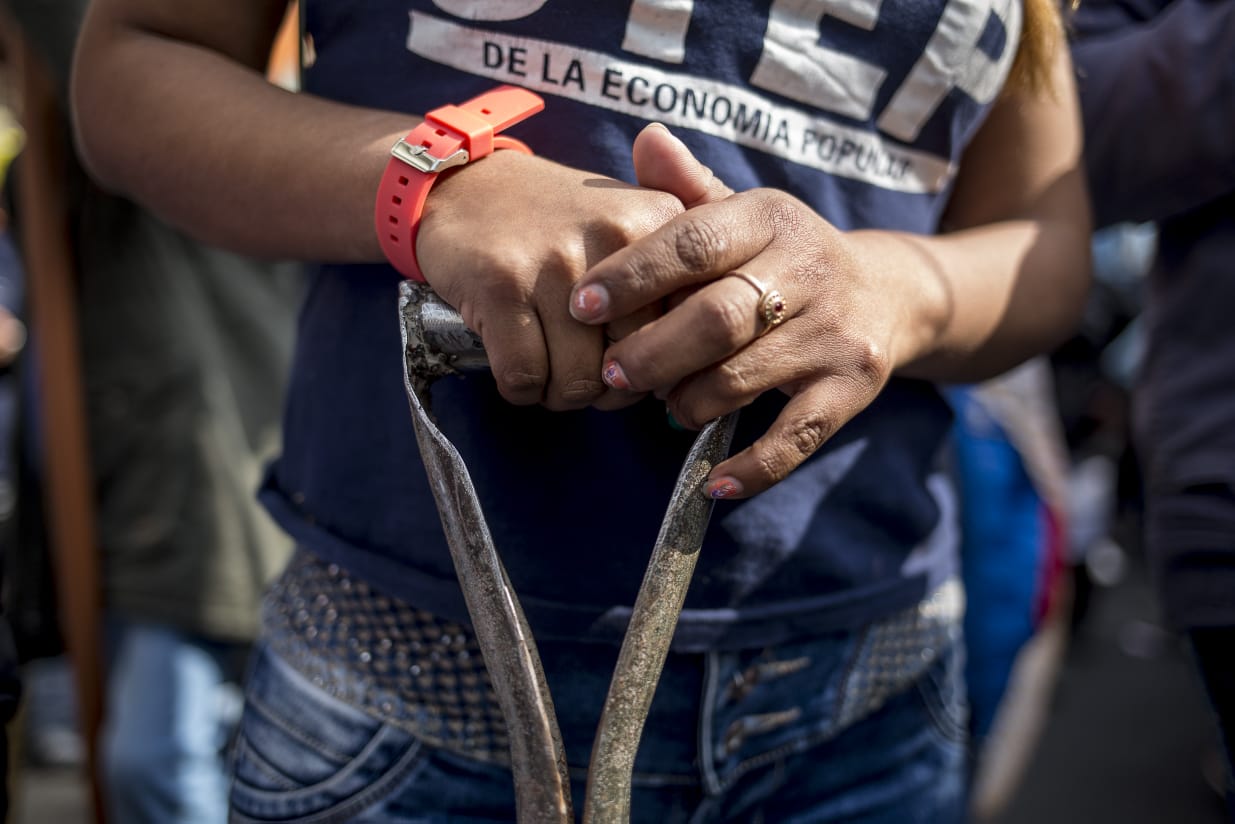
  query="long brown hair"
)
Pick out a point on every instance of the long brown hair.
point(1042, 32)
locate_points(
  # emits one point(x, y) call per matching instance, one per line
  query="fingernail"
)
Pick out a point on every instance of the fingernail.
point(613, 375)
point(589, 302)
point(724, 487)
point(673, 422)
point(671, 135)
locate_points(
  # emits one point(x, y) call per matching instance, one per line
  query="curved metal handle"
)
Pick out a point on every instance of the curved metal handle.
point(538, 759)
point(436, 342)
point(652, 623)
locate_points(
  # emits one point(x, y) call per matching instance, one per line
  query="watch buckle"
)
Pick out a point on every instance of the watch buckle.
point(418, 157)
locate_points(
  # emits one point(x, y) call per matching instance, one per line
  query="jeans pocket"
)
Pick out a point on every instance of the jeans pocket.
point(942, 689)
point(302, 755)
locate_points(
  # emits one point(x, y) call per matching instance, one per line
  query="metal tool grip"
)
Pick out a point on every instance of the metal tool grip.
point(441, 328)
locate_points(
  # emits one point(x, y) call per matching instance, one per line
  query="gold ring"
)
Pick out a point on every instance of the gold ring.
point(771, 306)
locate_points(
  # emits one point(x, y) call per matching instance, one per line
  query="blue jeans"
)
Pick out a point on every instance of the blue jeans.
point(799, 733)
point(169, 716)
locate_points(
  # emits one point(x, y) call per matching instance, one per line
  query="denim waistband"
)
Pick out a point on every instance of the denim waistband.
point(426, 675)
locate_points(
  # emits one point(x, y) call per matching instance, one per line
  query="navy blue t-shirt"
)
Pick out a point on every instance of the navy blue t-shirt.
point(861, 108)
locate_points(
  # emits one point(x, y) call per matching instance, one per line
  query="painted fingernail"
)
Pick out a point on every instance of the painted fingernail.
point(673, 422)
point(724, 487)
point(613, 375)
point(589, 302)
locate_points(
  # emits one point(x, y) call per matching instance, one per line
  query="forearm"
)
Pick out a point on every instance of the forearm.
point(1007, 278)
point(981, 300)
point(225, 155)
point(205, 142)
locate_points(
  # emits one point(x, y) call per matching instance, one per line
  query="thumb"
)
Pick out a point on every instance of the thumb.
point(663, 162)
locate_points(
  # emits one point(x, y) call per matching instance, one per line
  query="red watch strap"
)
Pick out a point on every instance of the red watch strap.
point(449, 136)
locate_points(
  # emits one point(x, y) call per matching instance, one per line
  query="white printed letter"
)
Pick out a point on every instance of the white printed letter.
point(953, 60)
point(657, 29)
point(795, 65)
point(490, 9)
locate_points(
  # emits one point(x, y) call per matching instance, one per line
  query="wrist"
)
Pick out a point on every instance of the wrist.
point(448, 138)
point(915, 286)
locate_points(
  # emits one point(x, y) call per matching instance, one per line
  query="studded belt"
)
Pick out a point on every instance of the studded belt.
point(403, 665)
point(425, 674)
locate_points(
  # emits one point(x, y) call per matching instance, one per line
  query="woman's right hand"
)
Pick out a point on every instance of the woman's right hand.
point(503, 240)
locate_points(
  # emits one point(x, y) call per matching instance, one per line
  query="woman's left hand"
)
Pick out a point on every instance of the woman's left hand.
point(775, 298)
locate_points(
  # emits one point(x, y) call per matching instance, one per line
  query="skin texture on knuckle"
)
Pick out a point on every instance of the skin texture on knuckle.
point(519, 385)
point(869, 363)
point(501, 284)
point(841, 345)
point(624, 227)
point(736, 382)
point(575, 394)
point(807, 434)
point(784, 211)
point(566, 260)
point(726, 322)
point(633, 219)
point(800, 439)
point(771, 466)
point(699, 245)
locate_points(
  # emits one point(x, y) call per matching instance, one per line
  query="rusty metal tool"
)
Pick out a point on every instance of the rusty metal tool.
point(436, 343)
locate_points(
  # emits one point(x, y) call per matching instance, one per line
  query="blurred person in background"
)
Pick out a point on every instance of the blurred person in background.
point(185, 350)
point(1011, 464)
point(1157, 84)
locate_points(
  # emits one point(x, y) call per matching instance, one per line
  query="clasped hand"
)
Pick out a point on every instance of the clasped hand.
point(657, 266)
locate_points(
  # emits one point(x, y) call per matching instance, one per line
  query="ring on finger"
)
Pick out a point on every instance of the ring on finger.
point(771, 306)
